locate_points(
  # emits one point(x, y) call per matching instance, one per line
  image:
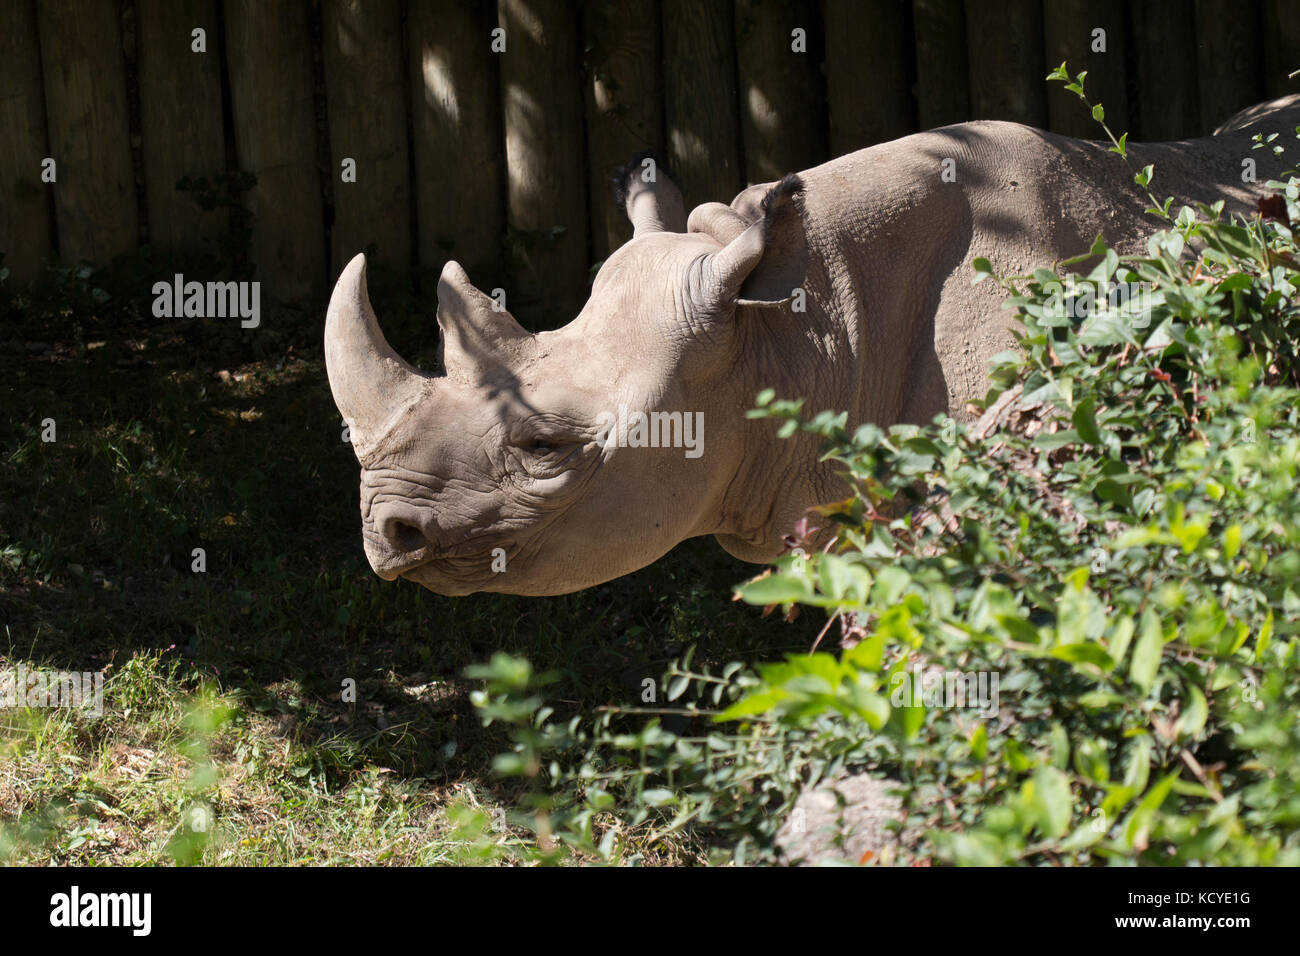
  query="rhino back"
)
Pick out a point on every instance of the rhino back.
point(892, 230)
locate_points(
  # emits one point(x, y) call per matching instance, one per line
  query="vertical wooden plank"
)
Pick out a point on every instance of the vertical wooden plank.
point(782, 95)
point(459, 154)
point(366, 106)
point(867, 90)
point(26, 226)
point(942, 74)
point(1228, 64)
point(1004, 45)
point(1282, 47)
point(624, 100)
point(89, 129)
point(271, 96)
point(1165, 104)
point(546, 188)
point(700, 107)
point(180, 116)
point(1227, 61)
point(1070, 34)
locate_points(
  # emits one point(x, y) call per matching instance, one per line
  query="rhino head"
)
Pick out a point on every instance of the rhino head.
point(510, 469)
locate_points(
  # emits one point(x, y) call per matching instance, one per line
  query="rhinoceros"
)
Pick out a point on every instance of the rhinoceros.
point(545, 463)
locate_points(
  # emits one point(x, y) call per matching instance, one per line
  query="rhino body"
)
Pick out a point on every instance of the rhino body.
point(849, 285)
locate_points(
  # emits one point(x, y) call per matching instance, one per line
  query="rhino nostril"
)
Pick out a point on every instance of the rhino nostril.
point(402, 536)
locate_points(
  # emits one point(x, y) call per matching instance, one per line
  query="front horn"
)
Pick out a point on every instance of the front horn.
point(371, 383)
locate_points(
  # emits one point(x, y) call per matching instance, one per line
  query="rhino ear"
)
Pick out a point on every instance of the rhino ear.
point(645, 190)
point(718, 221)
point(477, 334)
point(767, 262)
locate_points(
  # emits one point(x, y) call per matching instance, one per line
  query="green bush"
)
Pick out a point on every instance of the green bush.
point(1114, 543)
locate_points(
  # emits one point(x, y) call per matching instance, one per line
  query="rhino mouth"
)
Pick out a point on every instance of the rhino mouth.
point(491, 562)
point(461, 560)
point(470, 562)
point(455, 576)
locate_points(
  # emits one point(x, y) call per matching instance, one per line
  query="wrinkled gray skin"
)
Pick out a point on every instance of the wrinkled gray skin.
point(500, 449)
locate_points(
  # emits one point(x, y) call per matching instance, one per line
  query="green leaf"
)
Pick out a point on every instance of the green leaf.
point(1138, 768)
point(678, 687)
point(752, 704)
point(1195, 712)
point(1106, 328)
point(1233, 241)
point(889, 585)
point(1265, 637)
point(1052, 800)
point(1236, 283)
point(1084, 836)
point(1138, 825)
point(1096, 699)
point(1020, 629)
point(834, 575)
point(979, 742)
point(913, 718)
point(1084, 653)
point(1015, 756)
point(1232, 541)
point(1053, 440)
point(1120, 639)
point(1146, 655)
point(1084, 420)
point(775, 589)
point(867, 654)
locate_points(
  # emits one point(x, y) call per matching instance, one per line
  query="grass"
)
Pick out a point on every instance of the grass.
point(226, 738)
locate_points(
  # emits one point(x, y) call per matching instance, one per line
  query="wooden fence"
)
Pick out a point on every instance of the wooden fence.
point(486, 132)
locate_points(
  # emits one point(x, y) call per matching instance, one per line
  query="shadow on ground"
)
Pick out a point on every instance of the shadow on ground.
point(176, 435)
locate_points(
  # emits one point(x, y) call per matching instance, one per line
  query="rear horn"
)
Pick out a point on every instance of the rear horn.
point(646, 191)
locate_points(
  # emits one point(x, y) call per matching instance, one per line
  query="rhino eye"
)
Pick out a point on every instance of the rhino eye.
point(540, 446)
